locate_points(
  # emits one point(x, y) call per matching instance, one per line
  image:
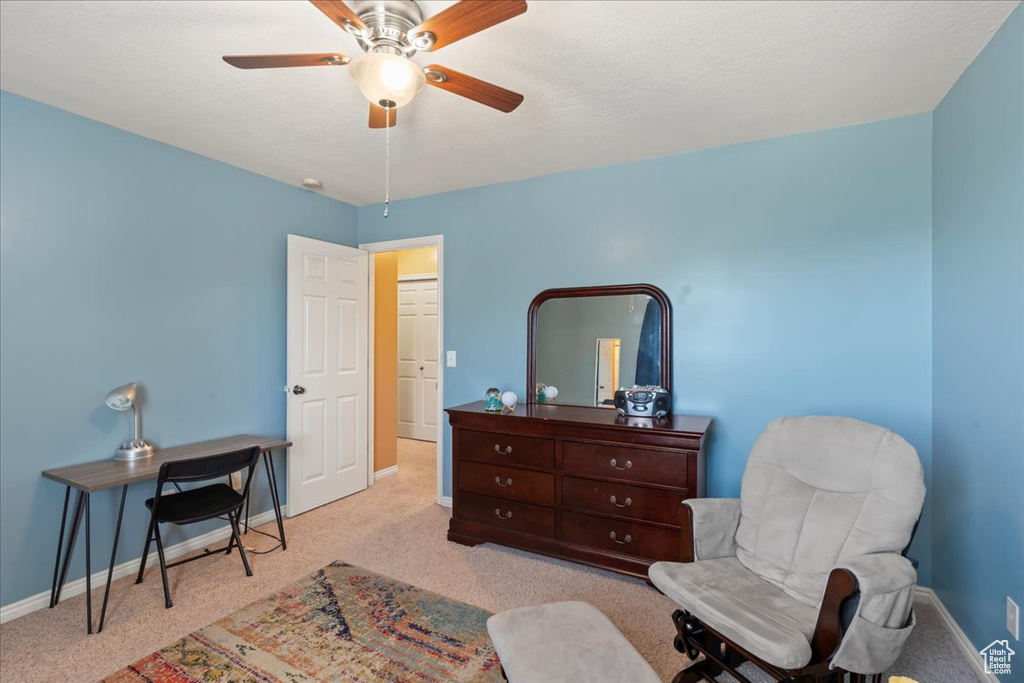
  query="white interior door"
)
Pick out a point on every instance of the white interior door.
point(327, 372)
point(417, 360)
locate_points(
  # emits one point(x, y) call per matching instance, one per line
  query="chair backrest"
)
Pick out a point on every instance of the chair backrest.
point(208, 467)
point(818, 491)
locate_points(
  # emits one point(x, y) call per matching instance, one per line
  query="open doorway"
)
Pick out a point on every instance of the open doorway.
point(606, 373)
point(406, 379)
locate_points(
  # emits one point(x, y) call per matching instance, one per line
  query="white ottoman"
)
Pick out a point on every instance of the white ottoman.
point(565, 641)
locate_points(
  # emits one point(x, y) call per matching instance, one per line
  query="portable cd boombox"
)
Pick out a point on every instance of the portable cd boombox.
point(647, 401)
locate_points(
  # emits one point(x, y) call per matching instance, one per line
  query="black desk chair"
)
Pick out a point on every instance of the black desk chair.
point(197, 505)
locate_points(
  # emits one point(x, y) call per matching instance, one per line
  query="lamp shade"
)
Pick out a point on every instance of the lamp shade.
point(122, 397)
point(384, 77)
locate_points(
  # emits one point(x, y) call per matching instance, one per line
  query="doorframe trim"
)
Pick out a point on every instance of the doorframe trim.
point(402, 245)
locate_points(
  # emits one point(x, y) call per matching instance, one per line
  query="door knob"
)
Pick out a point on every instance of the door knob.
point(298, 389)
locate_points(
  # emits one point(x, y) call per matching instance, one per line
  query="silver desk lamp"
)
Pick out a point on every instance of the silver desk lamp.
point(137, 448)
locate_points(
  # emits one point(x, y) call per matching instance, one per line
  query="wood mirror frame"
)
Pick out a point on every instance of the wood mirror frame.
point(604, 290)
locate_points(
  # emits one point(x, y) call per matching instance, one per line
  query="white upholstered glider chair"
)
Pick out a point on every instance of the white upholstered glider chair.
point(805, 575)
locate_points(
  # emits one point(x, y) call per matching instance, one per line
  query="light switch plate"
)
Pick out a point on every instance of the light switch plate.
point(1012, 618)
point(451, 359)
point(236, 481)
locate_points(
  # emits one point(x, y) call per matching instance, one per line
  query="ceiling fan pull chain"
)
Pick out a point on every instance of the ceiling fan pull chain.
point(387, 160)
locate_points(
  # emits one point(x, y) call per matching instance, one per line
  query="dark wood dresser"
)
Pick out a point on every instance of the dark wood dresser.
point(577, 483)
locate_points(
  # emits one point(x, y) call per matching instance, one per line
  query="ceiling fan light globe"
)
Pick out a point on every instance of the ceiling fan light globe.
point(395, 76)
point(382, 76)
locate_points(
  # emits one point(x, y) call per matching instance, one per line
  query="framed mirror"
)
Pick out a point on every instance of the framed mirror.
point(590, 341)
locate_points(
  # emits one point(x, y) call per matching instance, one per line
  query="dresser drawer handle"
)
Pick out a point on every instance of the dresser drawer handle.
point(497, 513)
point(624, 504)
point(624, 541)
point(508, 482)
point(614, 463)
point(502, 451)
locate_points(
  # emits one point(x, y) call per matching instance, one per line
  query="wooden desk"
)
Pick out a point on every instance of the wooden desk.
point(99, 475)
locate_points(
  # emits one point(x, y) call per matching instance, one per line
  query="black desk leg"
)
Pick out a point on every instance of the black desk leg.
point(60, 546)
point(113, 557)
point(268, 461)
point(76, 520)
point(88, 569)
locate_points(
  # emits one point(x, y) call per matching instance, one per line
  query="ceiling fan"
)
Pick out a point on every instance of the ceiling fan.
point(391, 31)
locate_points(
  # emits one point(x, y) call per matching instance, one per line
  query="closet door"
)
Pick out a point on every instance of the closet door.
point(417, 360)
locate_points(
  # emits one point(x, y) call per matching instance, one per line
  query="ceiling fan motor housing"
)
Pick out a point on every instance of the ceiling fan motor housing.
point(388, 23)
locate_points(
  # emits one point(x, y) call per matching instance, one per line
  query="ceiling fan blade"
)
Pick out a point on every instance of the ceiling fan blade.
point(466, 18)
point(341, 14)
point(472, 88)
point(279, 61)
point(381, 117)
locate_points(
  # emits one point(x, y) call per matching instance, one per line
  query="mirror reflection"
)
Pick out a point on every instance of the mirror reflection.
point(590, 346)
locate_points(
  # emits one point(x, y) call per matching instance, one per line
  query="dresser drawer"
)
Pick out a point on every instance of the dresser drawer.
point(505, 514)
point(628, 538)
point(666, 468)
point(506, 449)
point(611, 498)
point(507, 482)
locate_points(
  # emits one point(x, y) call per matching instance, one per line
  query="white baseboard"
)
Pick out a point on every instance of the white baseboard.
point(927, 595)
point(446, 501)
point(77, 587)
point(386, 472)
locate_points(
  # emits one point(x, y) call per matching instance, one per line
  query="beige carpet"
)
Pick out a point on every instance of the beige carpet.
point(394, 528)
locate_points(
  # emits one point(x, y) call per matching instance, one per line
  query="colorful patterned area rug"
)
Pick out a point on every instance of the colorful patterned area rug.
point(341, 624)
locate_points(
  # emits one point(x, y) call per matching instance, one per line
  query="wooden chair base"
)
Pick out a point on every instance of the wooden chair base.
point(703, 670)
point(694, 638)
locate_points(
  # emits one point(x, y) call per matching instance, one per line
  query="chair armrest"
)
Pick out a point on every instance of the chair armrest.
point(708, 528)
point(828, 631)
point(882, 573)
point(875, 583)
point(882, 615)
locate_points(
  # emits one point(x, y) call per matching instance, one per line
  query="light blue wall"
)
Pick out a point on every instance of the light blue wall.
point(978, 289)
point(125, 259)
point(799, 270)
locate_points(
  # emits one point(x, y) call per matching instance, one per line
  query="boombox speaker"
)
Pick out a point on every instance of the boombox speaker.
point(649, 401)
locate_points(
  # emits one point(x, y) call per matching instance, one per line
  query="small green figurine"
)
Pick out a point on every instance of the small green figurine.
point(492, 400)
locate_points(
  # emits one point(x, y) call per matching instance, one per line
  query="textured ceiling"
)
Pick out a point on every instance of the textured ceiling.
point(604, 82)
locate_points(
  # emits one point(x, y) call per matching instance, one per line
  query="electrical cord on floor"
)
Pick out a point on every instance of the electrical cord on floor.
point(251, 549)
point(268, 550)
